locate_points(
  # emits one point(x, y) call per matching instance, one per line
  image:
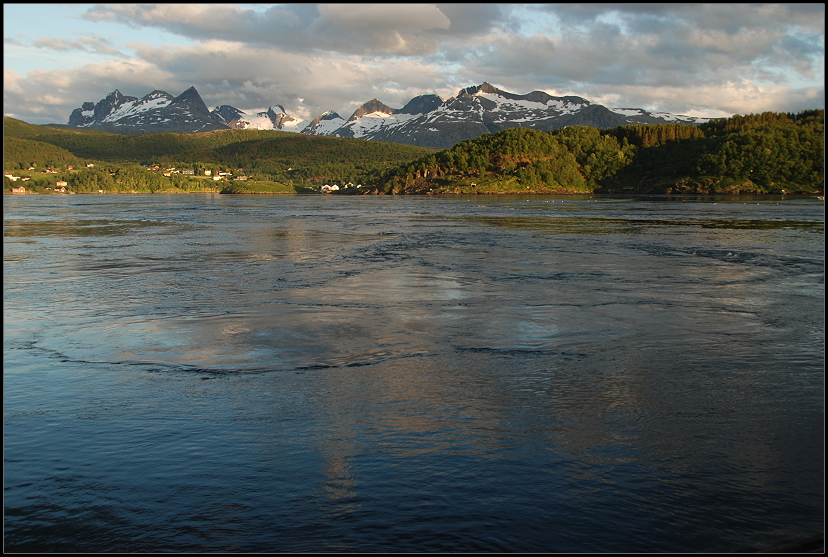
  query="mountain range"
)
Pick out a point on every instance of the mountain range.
point(425, 121)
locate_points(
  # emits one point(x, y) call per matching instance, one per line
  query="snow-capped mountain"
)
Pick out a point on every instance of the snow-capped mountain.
point(429, 121)
point(156, 112)
point(325, 124)
point(426, 120)
point(274, 118)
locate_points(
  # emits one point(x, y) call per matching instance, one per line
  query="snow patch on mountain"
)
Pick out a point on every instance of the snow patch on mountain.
point(426, 120)
point(511, 105)
point(326, 123)
point(667, 117)
point(274, 118)
point(680, 119)
point(370, 123)
point(564, 107)
point(134, 108)
point(627, 111)
point(156, 112)
point(259, 121)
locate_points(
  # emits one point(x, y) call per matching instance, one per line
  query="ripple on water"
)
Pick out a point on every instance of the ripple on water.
point(396, 374)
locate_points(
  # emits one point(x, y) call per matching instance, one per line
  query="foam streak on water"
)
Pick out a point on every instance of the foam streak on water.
point(231, 373)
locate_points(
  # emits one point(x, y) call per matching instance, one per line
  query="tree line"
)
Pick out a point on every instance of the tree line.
point(761, 153)
point(764, 153)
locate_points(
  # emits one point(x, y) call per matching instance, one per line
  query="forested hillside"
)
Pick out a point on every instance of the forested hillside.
point(274, 161)
point(764, 153)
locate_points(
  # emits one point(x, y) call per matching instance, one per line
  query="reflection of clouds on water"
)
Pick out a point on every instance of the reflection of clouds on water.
point(419, 369)
point(339, 482)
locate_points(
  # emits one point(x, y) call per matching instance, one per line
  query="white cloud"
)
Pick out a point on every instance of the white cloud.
point(11, 81)
point(680, 58)
point(394, 29)
point(51, 95)
point(86, 44)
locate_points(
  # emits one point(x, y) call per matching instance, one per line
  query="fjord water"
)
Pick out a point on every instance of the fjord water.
point(328, 373)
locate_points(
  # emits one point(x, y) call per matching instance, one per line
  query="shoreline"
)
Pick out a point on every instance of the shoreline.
point(818, 195)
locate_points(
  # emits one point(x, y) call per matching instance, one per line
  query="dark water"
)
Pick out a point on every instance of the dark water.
point(349, 374)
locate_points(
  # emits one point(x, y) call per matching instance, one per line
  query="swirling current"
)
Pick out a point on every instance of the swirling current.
point(411, 374)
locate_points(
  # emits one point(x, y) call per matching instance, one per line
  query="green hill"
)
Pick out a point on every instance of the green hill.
point(262, 156)
point(767, 153)
point(764, 153)
point(21, 154)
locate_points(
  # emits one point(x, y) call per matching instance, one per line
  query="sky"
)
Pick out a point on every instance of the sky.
point(708, 60)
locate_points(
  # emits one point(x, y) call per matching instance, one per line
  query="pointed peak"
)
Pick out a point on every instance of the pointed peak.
point(314, 125)
point(157, 94)
point(329, 115)
point(226, 113)
point(421, 104)
point(189, 93)
point(191, 97)
point(113, 100)
point(484, 87)
point(116, 96)
point(374, 105)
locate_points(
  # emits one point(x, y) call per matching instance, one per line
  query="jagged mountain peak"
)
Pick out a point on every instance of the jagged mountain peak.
point(324, 124)
point(193, 99)
point(421, 104)
point(274, 118)
point(156, 112)
point(329, 115)
point(430, 121)
point(484, 87)
point(226, 114)
point(115, 97)
point(374, 105)
point(426, 120)
point(158, 93)
point(190, 92)
point(116, 94)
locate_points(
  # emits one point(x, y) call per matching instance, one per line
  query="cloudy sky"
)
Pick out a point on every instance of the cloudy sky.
point(691, 59)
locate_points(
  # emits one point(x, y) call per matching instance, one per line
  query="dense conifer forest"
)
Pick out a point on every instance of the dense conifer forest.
point(763, 153)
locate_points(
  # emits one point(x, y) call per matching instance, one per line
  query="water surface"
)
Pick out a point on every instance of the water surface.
point(327, 373)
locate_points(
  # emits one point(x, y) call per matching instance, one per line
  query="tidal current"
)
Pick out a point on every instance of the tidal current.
point(410, 374)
